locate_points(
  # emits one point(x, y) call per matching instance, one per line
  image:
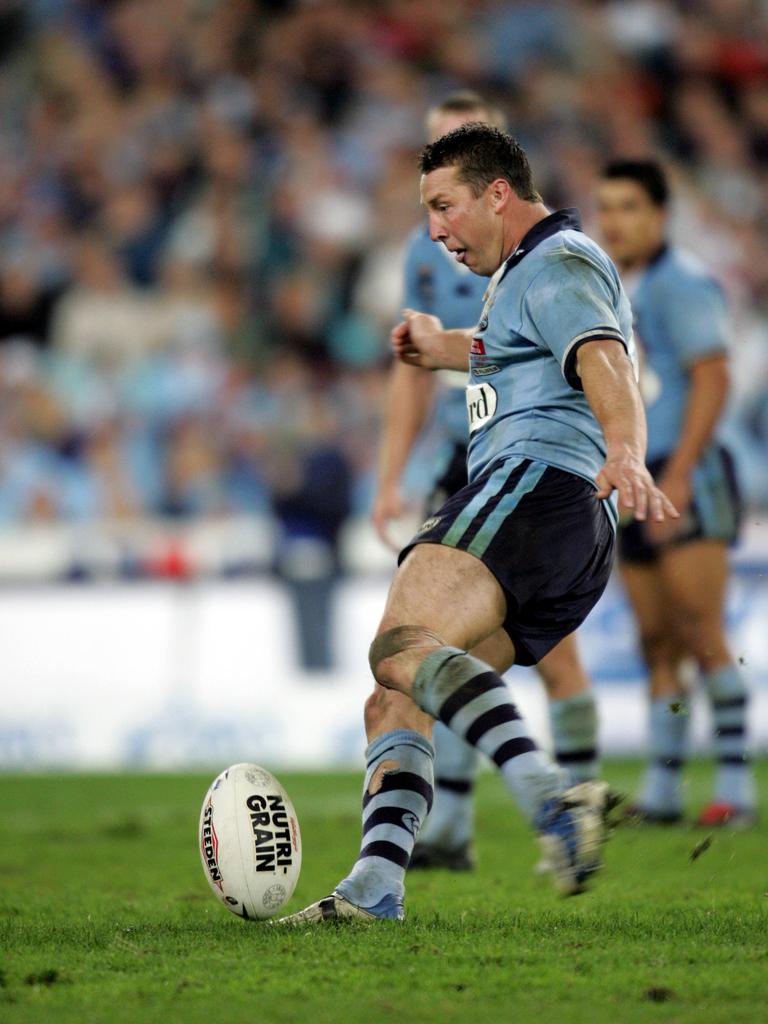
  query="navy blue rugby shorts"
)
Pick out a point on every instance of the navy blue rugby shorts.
point(545, 537)
point(715, 512)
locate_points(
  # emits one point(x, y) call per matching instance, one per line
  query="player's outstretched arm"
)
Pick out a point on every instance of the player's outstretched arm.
point(409, 401)
point(608, 379)
point(421, 340)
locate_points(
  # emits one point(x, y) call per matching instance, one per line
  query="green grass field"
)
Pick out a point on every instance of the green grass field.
point(105, 916)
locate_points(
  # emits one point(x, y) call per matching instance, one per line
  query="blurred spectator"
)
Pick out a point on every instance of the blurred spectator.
point(202, 213)
point(26, 304)
point(309, 478)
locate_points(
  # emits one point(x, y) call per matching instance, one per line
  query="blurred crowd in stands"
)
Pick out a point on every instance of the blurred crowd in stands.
point(203, 205)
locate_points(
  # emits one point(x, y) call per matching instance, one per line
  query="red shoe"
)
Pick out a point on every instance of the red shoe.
point(721, 814)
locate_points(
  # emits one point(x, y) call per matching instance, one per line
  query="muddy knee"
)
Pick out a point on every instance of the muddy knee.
point(389, 658)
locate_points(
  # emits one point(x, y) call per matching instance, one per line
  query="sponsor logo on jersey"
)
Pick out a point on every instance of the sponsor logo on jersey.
point(480, 363)
point(271, 832)
point(481, 405)
point(429, 524)
point(209, 843)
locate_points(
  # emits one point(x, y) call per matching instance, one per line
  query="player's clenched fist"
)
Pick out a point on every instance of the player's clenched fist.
point(421, 340)
point(416, 339)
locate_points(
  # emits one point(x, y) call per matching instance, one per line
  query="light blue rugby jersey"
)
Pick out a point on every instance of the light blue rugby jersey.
point(435, 283)
point(555, 292)
point(681, 316)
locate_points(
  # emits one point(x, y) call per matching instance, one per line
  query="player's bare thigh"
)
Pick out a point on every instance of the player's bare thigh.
point(561, 670)
point(447, 592)
point(497, 650)
point(695, 577)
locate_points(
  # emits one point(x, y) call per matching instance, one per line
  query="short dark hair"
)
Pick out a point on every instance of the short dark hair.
point(648, 174)
point(466, 101)
point(482, 153)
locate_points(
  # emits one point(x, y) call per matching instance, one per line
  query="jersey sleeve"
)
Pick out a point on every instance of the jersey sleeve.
point(695, 316)
point(567, 304)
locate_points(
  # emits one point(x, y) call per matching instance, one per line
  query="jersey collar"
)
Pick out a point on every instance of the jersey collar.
point(560, 220)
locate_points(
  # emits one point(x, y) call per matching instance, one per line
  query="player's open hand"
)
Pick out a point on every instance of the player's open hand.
point(627, 474)
point(388, 506)
point(417, 340)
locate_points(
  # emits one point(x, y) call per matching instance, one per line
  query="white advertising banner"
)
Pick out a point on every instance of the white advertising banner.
point(175, 675)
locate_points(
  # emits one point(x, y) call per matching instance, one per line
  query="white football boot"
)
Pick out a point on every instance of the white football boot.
point(334, 908)
point(572, 829)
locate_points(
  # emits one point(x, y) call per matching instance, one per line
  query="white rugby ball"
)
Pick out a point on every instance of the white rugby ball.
point(250, 842)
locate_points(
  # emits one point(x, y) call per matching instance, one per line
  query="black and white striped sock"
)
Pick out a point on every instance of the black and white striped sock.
point(573, 722)
point(396, 799)
point(474, 702)
point(730, 700)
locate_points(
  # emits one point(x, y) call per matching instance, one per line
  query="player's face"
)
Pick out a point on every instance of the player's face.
point(630, 223)
point(465, 224)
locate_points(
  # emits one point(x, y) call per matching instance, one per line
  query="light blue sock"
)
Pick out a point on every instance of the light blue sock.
point(661, 791)
point(450, 824)
point(573, 722)
point(396, 799)
point(728, 694)
point(474, 702)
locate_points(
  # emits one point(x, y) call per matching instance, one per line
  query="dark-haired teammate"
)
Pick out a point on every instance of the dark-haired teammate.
point(676, 572)
point(436, 283)
point(523, 552)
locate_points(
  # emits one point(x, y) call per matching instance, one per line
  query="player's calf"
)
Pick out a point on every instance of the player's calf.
point(397, 796)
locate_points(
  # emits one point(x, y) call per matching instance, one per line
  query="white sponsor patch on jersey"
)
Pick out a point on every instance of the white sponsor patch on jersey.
point(481, 405)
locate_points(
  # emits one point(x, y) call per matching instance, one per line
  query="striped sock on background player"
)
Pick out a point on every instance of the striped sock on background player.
point(396, 799)
point(573, 722)
point(450, 825)
point(661, 792)
point(729, 697)
point(473, 700)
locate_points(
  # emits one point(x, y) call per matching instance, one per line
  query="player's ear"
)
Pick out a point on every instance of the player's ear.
point(500, 192)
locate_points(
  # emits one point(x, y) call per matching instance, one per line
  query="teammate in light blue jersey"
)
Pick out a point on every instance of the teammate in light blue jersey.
point(435, 283)
point(676, 574)
point(513, 561)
